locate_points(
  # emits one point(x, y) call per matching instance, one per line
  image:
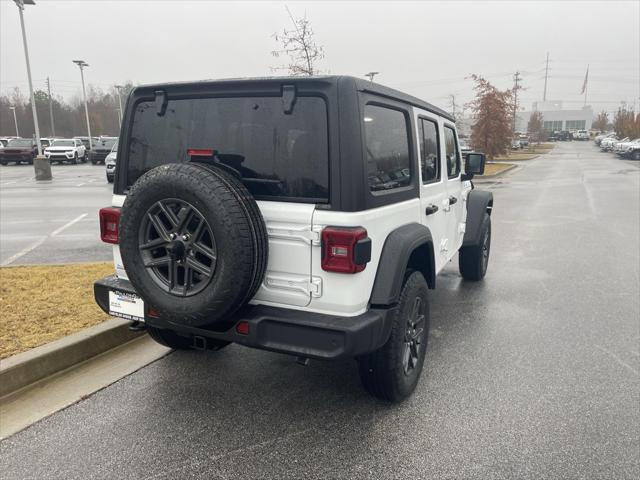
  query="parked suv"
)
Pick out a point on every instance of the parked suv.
point(19, 150)
point(110, 163)
point(308, 216)
point(70, 150)
point(100, 149)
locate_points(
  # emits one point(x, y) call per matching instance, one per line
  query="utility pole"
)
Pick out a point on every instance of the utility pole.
point(40, 164)
point(118, 87)
point(371, 75)
point(516, 87)
point(81, 64)
point(15, 119)
point(53, 127)
point(452, 102)
point(546, 76)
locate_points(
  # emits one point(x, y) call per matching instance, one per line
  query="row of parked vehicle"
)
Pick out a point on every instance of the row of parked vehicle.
point(623, 147)
point(74, 150)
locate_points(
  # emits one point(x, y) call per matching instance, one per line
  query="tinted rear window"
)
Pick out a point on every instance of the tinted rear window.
point(277, 155)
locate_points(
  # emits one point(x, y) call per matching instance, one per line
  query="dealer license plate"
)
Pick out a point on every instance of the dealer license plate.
point(126, 305)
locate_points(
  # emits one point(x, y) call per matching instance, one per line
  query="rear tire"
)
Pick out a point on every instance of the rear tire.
point(474, 260)
point(636, 155)
point(171, 339)
point(392, 372)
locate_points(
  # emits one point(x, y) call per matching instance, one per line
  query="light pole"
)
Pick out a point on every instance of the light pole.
point(371, 75)
point(15, 120)
point(41, 164)
point(82, 64)
point(118, 87)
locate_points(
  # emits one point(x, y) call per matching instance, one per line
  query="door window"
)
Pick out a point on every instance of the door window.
point(429, 151)
point(453, 155)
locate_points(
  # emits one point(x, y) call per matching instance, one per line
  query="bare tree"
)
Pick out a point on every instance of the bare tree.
point(300, 46)
point(601, 121)
point(534, 127)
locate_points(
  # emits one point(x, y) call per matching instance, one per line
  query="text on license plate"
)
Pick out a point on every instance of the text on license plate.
point(126, 305)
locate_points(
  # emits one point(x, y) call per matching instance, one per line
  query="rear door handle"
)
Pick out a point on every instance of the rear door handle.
point(431, 208)
point(452, 200)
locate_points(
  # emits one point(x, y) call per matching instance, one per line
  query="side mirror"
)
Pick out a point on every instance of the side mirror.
point(474, 163)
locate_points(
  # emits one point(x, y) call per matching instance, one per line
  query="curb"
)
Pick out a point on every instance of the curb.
point(496, 175)
point(28, 367)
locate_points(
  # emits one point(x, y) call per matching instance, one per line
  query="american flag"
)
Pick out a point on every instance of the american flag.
point(586, 77)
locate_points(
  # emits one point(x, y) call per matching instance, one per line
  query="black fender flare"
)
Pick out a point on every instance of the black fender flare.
point(479, 202)
point(412, 242)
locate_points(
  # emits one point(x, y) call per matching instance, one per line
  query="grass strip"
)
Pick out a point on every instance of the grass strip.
point(41, 303)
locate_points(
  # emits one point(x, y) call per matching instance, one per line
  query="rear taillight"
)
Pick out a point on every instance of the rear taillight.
point(109, 224)
point(345, 249)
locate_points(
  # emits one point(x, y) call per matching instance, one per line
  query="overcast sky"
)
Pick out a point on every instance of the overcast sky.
point(424, 48)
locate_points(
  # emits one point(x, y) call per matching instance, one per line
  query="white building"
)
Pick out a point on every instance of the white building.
point(555, 118)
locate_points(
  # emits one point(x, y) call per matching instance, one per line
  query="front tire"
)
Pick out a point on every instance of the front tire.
point(392, 372)
point(474, 260)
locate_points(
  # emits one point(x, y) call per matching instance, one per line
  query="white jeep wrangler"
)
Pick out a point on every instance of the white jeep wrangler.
point(307, 216)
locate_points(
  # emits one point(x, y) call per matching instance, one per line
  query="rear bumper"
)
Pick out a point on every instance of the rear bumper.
point(283, 330)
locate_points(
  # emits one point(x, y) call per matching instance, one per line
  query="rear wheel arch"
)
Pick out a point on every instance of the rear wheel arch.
point(407, 247)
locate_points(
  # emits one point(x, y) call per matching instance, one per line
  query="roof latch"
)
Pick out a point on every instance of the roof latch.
point(161, 102)
point(288, 98)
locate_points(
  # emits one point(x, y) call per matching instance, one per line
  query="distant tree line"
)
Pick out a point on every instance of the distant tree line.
point(68, 116)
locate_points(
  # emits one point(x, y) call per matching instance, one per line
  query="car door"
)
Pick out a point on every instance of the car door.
point(432, 187)
point(454, 201)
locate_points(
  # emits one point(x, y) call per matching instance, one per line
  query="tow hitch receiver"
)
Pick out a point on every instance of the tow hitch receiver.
point(137, 326)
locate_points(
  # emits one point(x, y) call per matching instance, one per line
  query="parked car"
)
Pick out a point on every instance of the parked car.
point(464, 145)
point(564, 136)
point(110, 163)
point(232, 223)
point(621, 148)
point(515, 144)
point(87, 143)
point(598, 138)
point(632, 150)
point(101, 149)
point(19, 150)
point(581, 135)
point(70, 150)
point(608, 143)
point(524, 141)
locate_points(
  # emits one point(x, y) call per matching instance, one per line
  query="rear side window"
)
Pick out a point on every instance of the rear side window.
point(387, 148)
point(453, 156)
point(276, 155)
point(429, 151)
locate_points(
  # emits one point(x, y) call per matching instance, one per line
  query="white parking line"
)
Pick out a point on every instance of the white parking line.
point(67, 225)
point(40, 241)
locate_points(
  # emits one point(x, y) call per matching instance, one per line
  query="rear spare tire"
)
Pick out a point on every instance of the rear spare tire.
point(193, 243)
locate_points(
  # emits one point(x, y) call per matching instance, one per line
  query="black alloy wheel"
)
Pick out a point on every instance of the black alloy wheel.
point(178, 247)
point(414, 337)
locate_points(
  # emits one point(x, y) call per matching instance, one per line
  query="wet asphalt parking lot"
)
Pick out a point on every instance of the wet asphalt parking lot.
point(532, 373)
point(52, 222)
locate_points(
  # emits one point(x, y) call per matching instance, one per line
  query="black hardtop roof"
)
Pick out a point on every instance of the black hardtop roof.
point(358, 83)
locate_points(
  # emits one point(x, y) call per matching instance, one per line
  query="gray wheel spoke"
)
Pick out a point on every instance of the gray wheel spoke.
point(157, 262)
point(158, 242)
point(173, 274)
point(198, 267)
point(159, 226)
point(169, 214)
point(184, 216)
point(204, 250)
